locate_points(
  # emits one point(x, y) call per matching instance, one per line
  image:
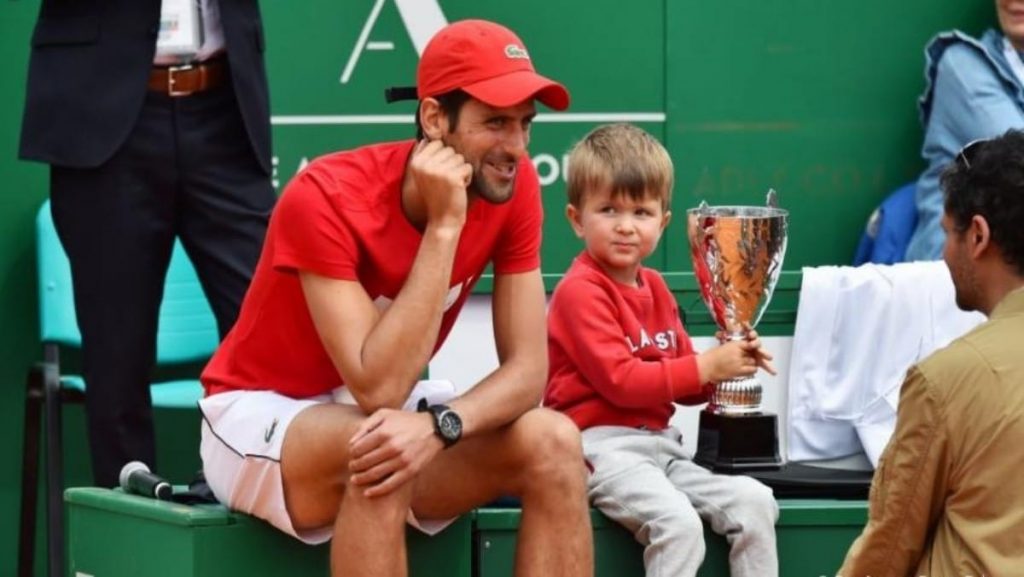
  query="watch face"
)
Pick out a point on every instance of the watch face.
point(450, 426)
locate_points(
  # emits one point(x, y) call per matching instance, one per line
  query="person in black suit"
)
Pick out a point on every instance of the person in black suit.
point(145, 146)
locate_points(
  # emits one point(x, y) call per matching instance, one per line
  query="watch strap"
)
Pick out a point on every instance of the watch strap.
point(435, 412)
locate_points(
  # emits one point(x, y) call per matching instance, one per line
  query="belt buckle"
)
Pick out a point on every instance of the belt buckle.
point(171, 71)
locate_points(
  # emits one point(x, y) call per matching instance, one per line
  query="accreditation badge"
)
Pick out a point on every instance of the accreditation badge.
point(181, 29)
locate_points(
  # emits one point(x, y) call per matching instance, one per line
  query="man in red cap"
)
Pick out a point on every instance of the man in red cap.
point(314, 419)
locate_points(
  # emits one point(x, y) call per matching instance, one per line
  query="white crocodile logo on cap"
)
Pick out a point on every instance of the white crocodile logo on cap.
point(513, 51)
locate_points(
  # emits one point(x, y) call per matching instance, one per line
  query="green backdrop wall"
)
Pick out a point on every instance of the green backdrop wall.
point(815, 98)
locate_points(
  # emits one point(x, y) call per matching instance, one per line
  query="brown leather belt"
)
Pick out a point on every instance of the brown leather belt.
point(188, 78)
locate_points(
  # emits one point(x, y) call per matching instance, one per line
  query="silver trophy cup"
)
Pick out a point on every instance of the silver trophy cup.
point(737, 257)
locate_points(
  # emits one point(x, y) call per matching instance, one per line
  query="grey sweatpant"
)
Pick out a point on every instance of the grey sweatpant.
point(643, 480)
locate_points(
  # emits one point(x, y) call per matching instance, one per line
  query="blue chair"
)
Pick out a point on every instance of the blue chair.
point(889, 228)
point(187, 334)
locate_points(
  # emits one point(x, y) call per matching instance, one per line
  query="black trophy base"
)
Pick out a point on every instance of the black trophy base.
point(738, 443)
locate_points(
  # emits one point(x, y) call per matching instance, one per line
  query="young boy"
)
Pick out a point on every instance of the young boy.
point(620, 359)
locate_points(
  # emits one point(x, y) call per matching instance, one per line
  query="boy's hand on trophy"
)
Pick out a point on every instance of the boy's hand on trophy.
point(751, 345)
point(727, 361)
point(764, 360)
point(762, 357)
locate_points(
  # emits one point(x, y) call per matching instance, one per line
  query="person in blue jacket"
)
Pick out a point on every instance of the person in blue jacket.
point(975, 91)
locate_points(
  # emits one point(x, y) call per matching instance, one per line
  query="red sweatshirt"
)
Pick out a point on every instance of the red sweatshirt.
point(618, 355)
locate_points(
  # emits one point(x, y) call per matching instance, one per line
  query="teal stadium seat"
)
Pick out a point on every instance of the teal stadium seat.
point(187, 334)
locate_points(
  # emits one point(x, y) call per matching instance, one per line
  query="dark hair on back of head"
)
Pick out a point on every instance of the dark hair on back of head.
point(990, 184)
point(451, 104)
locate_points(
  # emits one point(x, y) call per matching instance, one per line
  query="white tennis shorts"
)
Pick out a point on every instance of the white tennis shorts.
point(242, 435)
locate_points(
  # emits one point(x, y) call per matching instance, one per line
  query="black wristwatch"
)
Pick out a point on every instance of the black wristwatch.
point(447, 423)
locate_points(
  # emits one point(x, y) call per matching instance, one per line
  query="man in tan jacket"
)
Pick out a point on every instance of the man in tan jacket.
point(947, 498)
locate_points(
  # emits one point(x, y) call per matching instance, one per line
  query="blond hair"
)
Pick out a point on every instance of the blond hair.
point(623, 158)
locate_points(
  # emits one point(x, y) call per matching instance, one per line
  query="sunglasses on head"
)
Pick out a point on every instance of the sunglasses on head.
point(969, 151)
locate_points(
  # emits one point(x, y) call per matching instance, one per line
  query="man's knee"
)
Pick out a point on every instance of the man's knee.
point(388, 510)
point(550, 450)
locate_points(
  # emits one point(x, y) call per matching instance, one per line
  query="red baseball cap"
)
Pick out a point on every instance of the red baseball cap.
point(487, 61)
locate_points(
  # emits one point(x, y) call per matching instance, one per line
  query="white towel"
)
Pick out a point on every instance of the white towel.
point(858, 330)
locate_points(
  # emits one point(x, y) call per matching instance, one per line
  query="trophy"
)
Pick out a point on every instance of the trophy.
point(737, 257)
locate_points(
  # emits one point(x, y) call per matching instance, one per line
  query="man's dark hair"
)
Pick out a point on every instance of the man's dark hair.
point(451, 104)
point(987, 179)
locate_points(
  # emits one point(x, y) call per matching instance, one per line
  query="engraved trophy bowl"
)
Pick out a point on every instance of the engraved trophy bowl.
point(737, 256)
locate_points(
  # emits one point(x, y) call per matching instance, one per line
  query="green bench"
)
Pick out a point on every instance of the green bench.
point(112, 534)
point(813, 536)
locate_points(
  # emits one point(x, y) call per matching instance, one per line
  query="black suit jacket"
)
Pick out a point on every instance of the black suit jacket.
point(89, 65)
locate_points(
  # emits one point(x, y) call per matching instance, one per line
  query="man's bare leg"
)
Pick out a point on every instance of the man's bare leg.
point(369, 533)
point(555, 536)
point(538, 458)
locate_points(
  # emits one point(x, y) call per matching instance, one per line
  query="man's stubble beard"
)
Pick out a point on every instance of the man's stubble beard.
point(483, 189)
